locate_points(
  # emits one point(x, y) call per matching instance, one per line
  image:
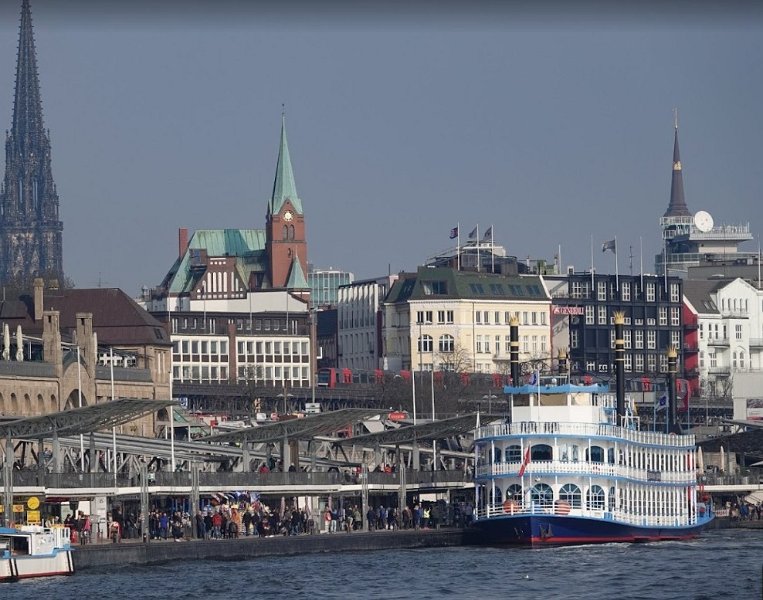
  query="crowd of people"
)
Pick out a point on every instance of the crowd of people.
point(229, 520)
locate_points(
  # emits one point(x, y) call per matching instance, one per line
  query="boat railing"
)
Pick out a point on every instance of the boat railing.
point(532, 428)
point(587, 469)
point(531, 508)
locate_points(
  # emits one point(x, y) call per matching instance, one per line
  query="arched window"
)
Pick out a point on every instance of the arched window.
point(541, 452)
point(541, 495)
point(571, 494)
point(595, 498)
point(291, 232)
point(741, 359)
point(285, 234)
point(425, 343)
point(734, 360)
point(514, 492)
point(596, 455)
point(446, 343)
point(513, 454)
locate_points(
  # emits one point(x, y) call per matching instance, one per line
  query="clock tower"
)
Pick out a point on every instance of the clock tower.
point(285, 228)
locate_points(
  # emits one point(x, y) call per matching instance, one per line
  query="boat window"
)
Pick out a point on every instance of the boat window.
point(571, 494)
point(498, 497)
point(596, 454)
point(496, 455)
point(595, 498)
point(514, 492)
point(542, 495)
point(574, 454)
point(541, 452)
point(513, 454)
point(611, 499)
point(611, 456)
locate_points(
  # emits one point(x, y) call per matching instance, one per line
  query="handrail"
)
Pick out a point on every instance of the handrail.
point(585, 468)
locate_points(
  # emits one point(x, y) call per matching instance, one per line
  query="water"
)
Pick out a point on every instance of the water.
point(720, 564)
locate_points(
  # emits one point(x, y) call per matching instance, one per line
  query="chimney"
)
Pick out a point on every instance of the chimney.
point(51, 339)
point(84, 338)
point(620, 366)
point(182, 241)
point(514, 350)
point(673, 425)
point(38, 298)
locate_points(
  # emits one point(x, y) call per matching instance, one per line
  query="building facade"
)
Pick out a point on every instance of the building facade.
point(359, 320)
point(583, 311)
point(325, 284)
point(30, 228)
point(237, 301)
point(444, 319)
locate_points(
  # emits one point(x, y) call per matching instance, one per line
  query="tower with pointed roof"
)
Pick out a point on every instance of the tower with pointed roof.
point(286, 246)
point(30, 228)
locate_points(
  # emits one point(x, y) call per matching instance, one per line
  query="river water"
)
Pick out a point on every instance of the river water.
point(720, 564)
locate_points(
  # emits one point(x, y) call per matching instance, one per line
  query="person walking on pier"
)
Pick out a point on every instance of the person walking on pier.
point(201, 530)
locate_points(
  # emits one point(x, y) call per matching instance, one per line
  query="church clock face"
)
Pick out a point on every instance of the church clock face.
point(287, 216)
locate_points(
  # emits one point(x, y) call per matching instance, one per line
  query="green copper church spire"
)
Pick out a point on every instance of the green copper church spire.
point(284, 187)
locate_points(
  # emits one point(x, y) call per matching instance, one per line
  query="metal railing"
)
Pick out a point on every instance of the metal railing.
point(162, 479)
point(587, 469)
point(530, 428)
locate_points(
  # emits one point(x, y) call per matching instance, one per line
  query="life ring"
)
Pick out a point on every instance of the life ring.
point(509, 506)
point(562, 507)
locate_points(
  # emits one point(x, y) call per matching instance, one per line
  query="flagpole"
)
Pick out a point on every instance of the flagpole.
point(492, 251)
point(593, 291)
point(641, 256)
point(478, 247)
point(458, 246)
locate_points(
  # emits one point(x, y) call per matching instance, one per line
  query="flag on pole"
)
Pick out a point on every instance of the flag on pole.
point(454, 233)
point(533, 378)
point(610, 245)
point(473, 234)
point(488, 234)
point(525, 462)
point(661, 402)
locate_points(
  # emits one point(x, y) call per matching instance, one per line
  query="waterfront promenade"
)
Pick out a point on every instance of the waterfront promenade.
point(106, 554)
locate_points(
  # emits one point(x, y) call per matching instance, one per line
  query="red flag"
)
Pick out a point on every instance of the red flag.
point(525, 462)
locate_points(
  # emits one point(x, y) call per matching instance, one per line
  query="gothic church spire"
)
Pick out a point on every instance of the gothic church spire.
point(677, 206)
point(284, 186)
point(30, 230)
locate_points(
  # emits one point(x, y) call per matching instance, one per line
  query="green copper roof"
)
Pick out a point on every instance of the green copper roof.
point(297, 279)
point(284, 187)
point(247, 245)
point(445, 283)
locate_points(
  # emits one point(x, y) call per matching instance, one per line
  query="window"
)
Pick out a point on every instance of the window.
point(446, 343)
point(663, 363)
point(651, 363)
point(639, 363)
point(713, 359)
point(478, 317)
point(574, 338)
point(514, 492)
point(602, 315)
point(675, 316)
point(486, 317)
point(639, 339)
point(674, 295)
point(542, 452)
point(576, 290)
point(570, 493)
point(741, 359)
point(589, 314)
point(663, 315)
point(542, 496)
point(650, 292)
point(507, 343)
point(651, 339)
point(595, 498)
point(628, 362)
point(497, 319)
point(425, 343)
point(543, 318)
point(524, 318)
point(596, 455)
point(479, 343)
point(625, 292)
point(601, 290)
point(627, 338)
point(738, 331)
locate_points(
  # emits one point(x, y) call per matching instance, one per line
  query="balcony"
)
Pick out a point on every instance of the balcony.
point(719, 371)
point(734, 314)
point(756, 342)
point(691, 348)
point(718, 342)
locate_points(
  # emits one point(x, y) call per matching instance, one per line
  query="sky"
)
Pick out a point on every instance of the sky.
point(551, 124)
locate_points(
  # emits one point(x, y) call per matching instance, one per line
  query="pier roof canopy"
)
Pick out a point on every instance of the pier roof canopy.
point(297, 429)
point(82, 420)
point(435, 430)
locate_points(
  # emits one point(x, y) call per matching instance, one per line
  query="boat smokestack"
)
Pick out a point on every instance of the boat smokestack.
point(673, 425)
point(514, 349)
point(620, 366)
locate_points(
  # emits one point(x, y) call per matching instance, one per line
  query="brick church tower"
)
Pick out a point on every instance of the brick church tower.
point(30, 230)
point(286, 245)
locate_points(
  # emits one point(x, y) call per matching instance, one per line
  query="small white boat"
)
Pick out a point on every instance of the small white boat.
point(34, 551)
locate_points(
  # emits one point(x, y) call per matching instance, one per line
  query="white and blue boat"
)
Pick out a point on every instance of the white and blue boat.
point(34, 551)
point(561, 471)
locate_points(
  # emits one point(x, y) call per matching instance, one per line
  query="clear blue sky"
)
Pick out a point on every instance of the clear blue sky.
point(550, 124)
